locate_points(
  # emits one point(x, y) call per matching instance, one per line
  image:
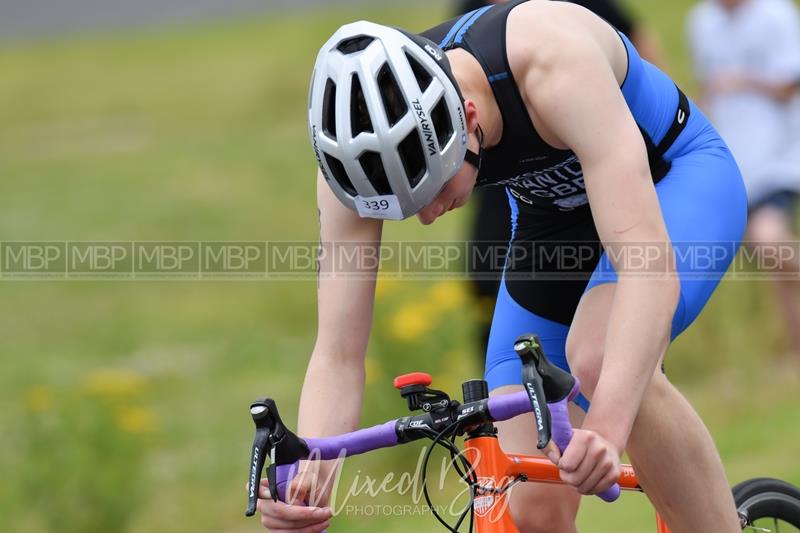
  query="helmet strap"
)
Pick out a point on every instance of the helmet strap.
point(471, 157)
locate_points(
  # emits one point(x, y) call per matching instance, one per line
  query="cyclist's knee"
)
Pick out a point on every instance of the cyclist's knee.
point(660, 387)
point(543, 509)
point(585, 360)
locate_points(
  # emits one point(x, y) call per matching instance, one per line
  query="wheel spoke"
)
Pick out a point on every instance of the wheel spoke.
point(771, 525)
point(768, 506)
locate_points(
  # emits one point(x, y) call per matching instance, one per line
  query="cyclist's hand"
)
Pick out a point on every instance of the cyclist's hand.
point(590, 463)
point(295, 516)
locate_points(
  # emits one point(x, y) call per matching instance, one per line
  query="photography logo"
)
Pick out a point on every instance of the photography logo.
point(484, 496)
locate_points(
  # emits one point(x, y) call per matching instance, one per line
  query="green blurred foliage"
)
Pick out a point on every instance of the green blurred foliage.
point(199, 133)
point(82, 453)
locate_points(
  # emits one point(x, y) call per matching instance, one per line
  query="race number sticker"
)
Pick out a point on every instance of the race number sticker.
point(383, 207)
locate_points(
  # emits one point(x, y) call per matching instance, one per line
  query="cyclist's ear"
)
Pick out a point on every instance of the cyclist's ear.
point(471, 111)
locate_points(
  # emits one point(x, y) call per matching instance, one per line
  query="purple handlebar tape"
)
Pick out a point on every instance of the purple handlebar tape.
point(355, 443)
point(286, 473)
point(562, 434)
point(500, 408)
point(511, 405)
point(508, 406)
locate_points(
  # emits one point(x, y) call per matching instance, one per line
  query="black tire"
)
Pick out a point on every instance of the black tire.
point(768, 501)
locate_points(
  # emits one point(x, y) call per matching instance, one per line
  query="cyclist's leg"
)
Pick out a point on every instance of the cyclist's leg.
point(669, 446)
point(530, 301)
point(702, 200)
point(536, 508)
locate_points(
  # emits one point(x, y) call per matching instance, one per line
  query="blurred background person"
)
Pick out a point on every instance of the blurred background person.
point(747, 60)
point(491, 226)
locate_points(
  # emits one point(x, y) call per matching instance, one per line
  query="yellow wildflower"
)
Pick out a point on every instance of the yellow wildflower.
point(458, 364)
point(38, 398)
point(449, 295)
point(114, 382)
point(411, 322)
point(136, 420)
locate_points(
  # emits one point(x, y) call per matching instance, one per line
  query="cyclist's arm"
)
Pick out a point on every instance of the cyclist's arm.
point(330, 402)
point(332, 393)
point(576, 95)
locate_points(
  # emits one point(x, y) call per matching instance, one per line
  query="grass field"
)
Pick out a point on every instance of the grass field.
point(124, 402)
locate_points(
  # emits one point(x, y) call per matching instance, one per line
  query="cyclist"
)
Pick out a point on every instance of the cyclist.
point(594, 145)
point(489, 228)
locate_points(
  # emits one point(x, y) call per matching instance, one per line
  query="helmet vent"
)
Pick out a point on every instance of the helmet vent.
point(354, 44)
point(340, 175)
point(442, 123)
point(329, 109)
point(393, 100)
point(413, 159)
point(376, 174)
point(424, 77)
point(359, 113)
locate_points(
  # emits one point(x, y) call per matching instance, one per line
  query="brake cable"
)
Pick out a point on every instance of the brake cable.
point(468, 476)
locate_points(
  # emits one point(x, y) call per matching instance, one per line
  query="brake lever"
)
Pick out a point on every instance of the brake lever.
point(262, 445)
point(526, 347)
point(273, 439)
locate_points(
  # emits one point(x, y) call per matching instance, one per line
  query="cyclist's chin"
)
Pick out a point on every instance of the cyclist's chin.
point(428, 216)
point(431, 213)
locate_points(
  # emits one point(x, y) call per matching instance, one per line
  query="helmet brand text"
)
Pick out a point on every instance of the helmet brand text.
point(427, 130)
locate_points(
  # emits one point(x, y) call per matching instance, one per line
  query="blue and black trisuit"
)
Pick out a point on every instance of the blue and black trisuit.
point(555, 254)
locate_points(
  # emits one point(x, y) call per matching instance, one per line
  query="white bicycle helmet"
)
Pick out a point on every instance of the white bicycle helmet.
point(386, 120)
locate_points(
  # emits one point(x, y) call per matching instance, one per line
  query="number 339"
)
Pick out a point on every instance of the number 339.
point(376, 205)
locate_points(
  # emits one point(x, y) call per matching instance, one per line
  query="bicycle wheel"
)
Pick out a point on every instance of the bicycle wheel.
point(768, 505)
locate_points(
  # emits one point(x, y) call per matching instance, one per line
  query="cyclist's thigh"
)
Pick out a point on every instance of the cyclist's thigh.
point(542, 284)
point(510, 321)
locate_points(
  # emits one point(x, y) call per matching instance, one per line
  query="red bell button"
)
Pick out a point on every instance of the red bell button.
point(414, 378)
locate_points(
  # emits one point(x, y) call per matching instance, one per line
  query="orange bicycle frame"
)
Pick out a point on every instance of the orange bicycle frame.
point(495, 470)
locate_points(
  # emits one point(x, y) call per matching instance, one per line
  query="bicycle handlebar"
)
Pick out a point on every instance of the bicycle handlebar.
point(538, 376)
point(355, 443)
point(498, 409)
